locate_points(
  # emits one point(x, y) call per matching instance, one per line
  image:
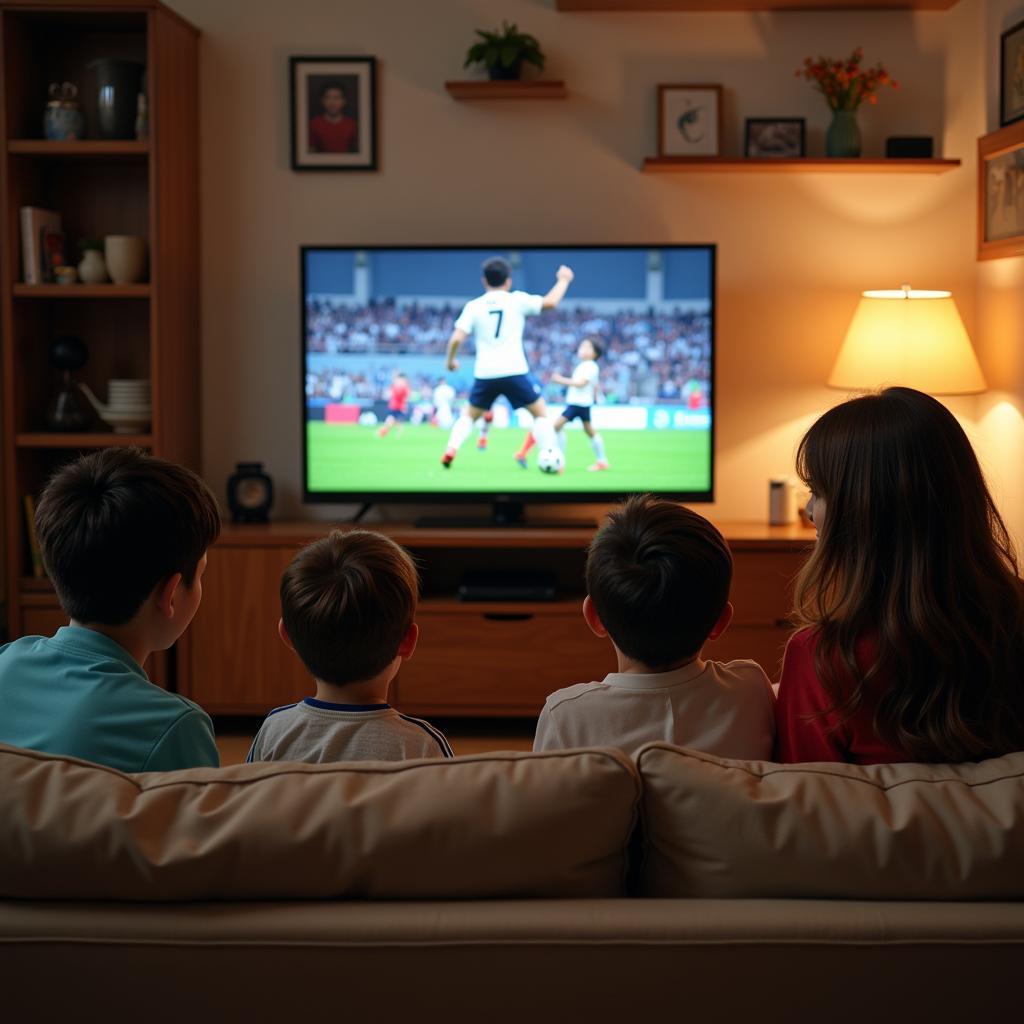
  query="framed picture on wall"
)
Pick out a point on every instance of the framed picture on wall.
point(333, 113)
point(775, 138)
point(1001, 193)
point(689, 120)
point(1011, 75)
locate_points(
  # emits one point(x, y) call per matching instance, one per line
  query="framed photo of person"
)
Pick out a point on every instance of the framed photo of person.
point(689, 120)
point(1011, 75)
point(775, 138)
point(1001, 193)
point(333, 113)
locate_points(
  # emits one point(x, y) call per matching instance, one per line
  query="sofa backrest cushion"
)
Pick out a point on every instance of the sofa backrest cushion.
point(493, 825)
point(721, 828)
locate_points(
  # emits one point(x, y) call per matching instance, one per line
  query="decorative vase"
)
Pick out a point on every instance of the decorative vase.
point(92, 269)
point(500, 73)
point(125, 257)
point(62, 120)
point(117, 92)
point(843, 136)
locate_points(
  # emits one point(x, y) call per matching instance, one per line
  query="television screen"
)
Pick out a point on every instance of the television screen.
point(529, 373)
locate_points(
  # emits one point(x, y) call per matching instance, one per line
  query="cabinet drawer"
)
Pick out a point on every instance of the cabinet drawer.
point(475, 660)
point(762, 586)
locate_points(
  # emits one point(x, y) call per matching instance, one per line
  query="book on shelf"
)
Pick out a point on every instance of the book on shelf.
point(38, 572)
point(42, 241)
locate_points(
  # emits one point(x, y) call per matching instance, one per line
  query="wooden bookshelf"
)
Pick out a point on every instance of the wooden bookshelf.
point(122, 186)
point(804, 165)
point(487, 90)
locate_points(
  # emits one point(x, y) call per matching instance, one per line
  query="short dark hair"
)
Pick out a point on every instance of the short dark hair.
point(328, 86)
point(658, 576)
point(347, 601)
point(496, 271)
point(597, 347)
point(114, 524)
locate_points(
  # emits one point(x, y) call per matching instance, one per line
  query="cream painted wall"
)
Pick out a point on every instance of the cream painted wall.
point(1000, 328)
point(794, 250)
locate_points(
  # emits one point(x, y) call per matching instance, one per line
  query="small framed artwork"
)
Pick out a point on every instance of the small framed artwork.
point(775, 138)
point(334, 113)
point(689, 120)
point(1001, 193)
point(1011, 75)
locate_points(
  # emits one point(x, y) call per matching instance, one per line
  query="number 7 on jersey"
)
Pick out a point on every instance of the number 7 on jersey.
point(499, 313)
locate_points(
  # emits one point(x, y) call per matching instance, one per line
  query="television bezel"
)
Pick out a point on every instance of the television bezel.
point(439, 497)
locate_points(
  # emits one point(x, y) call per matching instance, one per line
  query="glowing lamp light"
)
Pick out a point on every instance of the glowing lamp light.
point(908, 338)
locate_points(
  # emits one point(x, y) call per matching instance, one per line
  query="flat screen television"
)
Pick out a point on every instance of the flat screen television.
point(382, 409)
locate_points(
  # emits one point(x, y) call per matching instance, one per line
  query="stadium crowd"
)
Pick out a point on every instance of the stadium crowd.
point(649, 356)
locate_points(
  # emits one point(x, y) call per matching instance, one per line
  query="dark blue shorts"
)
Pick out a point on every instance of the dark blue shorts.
point(520, 390)
point(576, 412)
point(399, 415)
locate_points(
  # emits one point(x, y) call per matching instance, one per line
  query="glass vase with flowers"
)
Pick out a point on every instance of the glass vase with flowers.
point(845, 86)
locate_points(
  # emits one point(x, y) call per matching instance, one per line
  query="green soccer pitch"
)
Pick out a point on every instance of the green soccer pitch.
point(347, 457)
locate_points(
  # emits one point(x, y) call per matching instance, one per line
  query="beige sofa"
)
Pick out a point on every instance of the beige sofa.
point(501, 887)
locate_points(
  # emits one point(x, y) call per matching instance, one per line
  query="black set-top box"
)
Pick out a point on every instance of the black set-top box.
point(483, 585)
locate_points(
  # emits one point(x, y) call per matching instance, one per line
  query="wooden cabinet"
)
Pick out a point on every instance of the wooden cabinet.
point(473, 658)
point(146, 187)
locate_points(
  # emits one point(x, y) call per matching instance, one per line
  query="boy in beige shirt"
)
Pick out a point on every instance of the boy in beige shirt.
point(658, 578)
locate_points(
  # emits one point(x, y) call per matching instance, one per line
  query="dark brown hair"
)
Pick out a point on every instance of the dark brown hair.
point(114, 524)
point(913, 554)
point(658, 576)
point(347, 601)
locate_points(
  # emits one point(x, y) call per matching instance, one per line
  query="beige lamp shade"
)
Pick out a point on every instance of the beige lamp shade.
point(908, 338)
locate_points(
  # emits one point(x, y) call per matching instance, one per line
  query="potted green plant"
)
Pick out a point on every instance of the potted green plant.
point(504, 52)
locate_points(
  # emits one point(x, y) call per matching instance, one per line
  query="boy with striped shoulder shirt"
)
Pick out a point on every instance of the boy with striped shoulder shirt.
point(347, 607)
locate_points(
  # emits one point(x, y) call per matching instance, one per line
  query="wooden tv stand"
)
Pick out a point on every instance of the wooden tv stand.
point(474, 658)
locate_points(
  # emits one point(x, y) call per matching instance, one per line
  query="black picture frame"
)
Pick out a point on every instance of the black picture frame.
point(753, 143)
point(1011, 74)
point(352, 129)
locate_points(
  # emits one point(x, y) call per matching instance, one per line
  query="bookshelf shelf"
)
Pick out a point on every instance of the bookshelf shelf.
point(75, 441)
point(79, 150)
point(82, 291)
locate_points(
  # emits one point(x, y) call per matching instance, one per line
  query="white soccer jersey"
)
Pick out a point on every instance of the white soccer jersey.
point(496, 321)
point(589, 371)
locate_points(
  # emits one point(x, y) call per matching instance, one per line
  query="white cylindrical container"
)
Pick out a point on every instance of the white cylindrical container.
point(781, 501)
point(126, 258)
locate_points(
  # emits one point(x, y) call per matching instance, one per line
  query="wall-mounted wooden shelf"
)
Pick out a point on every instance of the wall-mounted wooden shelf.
point(533, 90)
point(82, 149)
point(806, 165)
point(651, 6)
point(47, 440)
point(82, 291)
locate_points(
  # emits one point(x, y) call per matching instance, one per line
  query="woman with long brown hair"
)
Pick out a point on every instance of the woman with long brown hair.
point(911, 612)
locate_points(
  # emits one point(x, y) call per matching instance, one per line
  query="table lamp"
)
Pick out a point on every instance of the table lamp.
point(909, 338)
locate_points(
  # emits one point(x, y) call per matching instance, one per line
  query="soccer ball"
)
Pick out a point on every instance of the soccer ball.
point(551, 460)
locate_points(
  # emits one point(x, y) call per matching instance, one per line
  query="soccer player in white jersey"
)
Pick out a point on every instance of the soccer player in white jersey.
point(580, 399)
point(496, 321)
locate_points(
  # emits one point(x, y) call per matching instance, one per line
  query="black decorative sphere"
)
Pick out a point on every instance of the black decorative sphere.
point(68, 352)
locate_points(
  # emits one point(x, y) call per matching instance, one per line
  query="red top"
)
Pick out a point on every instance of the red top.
point(398, 401)
point(327, 136)
point(803, 738)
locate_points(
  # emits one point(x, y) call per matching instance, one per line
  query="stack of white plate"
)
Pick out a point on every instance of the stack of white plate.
point(129, 405)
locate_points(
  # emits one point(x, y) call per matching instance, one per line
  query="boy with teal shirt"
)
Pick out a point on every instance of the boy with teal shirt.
point(124, 538)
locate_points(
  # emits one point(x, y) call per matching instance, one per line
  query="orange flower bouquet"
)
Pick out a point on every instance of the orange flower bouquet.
point(846, 86)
